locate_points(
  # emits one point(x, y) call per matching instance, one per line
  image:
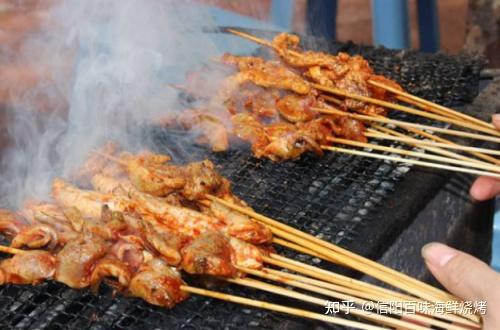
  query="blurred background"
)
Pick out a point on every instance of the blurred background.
point(453, 25)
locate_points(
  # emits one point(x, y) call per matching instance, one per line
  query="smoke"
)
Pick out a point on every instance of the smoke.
point(103, 68)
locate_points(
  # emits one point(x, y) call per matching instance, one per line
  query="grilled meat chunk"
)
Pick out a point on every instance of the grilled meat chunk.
point(158, 284)
point(31, 267)
point(209, 254)
point(75, 261)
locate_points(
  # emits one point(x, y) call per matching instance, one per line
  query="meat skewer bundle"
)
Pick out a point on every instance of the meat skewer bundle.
point(137, 222)
point(284, 108)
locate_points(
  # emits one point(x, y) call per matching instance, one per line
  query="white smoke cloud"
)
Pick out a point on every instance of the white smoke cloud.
point(105, 65)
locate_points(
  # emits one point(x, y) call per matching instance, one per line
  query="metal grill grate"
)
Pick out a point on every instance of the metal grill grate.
point(355, 202)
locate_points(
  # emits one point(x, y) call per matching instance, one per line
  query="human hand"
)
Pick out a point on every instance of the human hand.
point(484, 187)
point(468, 278)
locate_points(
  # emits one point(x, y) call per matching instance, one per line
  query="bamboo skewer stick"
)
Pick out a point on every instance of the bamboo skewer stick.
point(251, 302)
point(120, 161)
point(406, 124)
point(380, 135)
point(366, 295)
point(427, 135)
point(482, 157)
point(435, 138)
point(337, 294)
point(336, 287)
point(10, 250)
point(334, 278)
point(395, 106)
point(280, 308)
point(365, 270)
point(430, 106)
point(377, 134)
point(339, 254)
point(352, 260)
point(411, 161)
point(403, 152)
point(422, 106)
point(481, 126)
point(384, 320)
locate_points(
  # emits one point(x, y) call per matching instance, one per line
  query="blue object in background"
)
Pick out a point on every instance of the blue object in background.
point(390, 23)
point(495, 245)
point(428, 25)
point(282, 13)
point(321, 18)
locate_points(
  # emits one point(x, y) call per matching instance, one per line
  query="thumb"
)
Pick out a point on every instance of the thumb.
point(463, 275)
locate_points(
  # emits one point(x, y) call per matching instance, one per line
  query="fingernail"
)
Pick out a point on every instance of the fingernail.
point(437, 254)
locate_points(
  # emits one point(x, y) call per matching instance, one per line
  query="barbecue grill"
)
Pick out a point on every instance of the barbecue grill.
point(375, 208)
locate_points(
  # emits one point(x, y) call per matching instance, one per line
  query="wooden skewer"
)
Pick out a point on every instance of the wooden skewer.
point(343, 256)
point(479, 127)
point(250, 302)
point(406, 124)
point(384, 320)
point(280, 308)
point(358, 292)
point(334, 278)
point(488, 167)
point(433, 137)
point(10, 250)
point(337, 294)
point(118, 160)
point(395, 106)
point(431, 106)
point(365, 295)
point(351, 259)
point(379, 135)
point(208, 196)
point(411, 161)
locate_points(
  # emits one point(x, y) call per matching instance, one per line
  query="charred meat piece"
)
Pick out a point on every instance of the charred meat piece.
point(268, 74)
point(36, 236)
point(31, 267)
point(144, 172)
point(288, 142)
point(209, 254)
point(88, 203)
point(75, 261)
point(108, 269)
point(245, 254)
point(10, 223)
point(241, 226)
point(158, 284)
point(297, 108)
point(167, 244)
point(242, 62)
point(129, 251)
point(248, 128)
point(201, 179)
